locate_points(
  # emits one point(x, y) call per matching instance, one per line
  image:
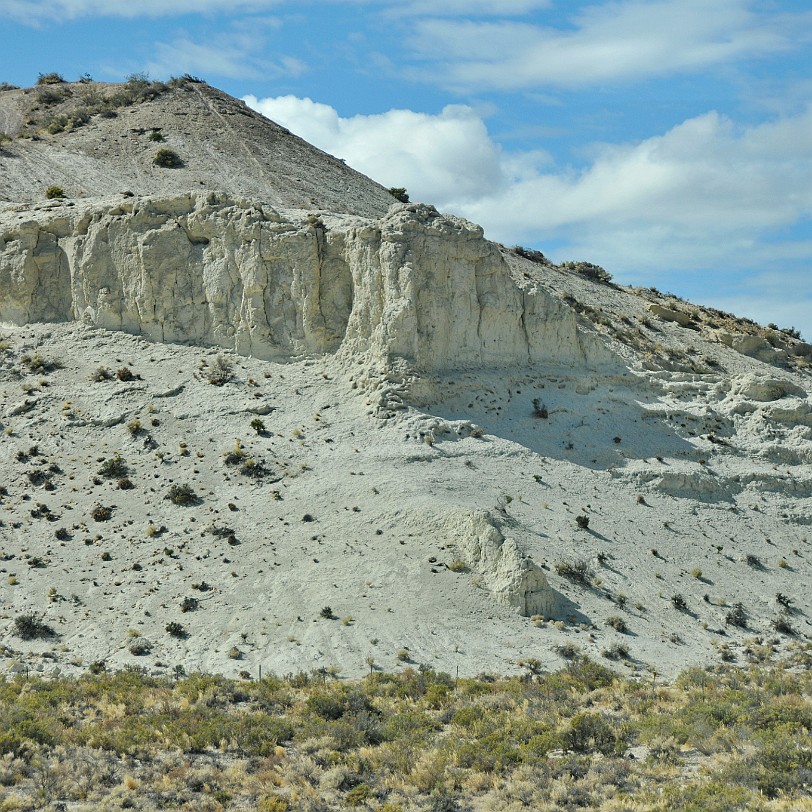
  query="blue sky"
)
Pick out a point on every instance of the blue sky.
point(668, 140)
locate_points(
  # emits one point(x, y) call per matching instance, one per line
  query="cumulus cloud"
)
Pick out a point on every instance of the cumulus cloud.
point(445, 156)
point(608, 42)
point(707, 194)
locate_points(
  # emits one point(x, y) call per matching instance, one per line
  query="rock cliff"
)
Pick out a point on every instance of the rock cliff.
point(204, 268)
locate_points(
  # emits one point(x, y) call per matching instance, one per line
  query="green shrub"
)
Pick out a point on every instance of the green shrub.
point(176, 630)
point(586, 269)
point(737, 616)
point(50, 79)
point(114, 468)
point(399, 193)
point(167, 159)
point(181, 495)
point(31, 627)
point(577, 570)
point(55, 193)
point(617, 623)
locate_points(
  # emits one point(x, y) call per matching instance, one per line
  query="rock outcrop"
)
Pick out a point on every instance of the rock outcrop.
point(508, 573)
point(207, 269)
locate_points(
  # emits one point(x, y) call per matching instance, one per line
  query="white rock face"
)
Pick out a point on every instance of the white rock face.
point(510, 575)
point(205, 269)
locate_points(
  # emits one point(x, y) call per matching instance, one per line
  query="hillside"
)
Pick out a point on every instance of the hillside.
point(243, 430)
point(59, 140)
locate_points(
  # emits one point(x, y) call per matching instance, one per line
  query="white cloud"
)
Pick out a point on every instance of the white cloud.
point(447, 156)
point(608, 42)
point(706, 194)
point(237, 54)
point(32, 11)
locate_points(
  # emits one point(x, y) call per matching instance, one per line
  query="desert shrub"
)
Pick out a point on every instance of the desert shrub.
point(134, 427)
point(582, 522)
point(7, 86)
point(140, 647)
point(100, 374)
point(31, 627)
point(101, 513)
point(176, 630)
point(539, 409)
point(753, 561)
point(181, 495)
point(458, 565)
point(783, 623)
point(50, 79)
point(182, 81)
point(55, 193)
point(399, 193)
point(576, 570)
point(737, 616)
point(114, 468)
point(4, 138)
point(220, 372)
point(125, 374)
point(327, 612)
point(588, 732)
point(167, 159)
point(189, 604)
point(155, 135)
point(258, 426)
point(678, 602)
point(589, 271)
point(617, 651)
point(617, 623)
point(39, 364)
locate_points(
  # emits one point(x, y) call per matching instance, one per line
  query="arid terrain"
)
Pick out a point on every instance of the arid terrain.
point(258, 413)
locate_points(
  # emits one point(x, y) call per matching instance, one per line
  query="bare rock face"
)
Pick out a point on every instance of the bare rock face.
point(510, 575)
point(204, 268)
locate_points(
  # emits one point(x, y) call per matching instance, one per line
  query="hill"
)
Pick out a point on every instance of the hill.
point(245, 430)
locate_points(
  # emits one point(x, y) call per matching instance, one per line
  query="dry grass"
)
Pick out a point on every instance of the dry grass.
point(716, 739)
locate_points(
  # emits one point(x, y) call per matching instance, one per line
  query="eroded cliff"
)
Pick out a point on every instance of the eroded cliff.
point(204, 268)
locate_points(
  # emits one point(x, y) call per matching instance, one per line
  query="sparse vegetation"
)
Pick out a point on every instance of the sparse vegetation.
point(167, 159)
point(220, 372)
point(737, 739)
point(181, 494)
point(737, 616)
point(50, 79)
point(55, 193)
point(32, 627)
point(576, 570)
point(399, 193)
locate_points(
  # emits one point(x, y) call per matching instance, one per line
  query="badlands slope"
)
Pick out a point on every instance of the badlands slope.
point(436, 414)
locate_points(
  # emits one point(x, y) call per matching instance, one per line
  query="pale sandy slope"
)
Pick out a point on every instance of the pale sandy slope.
point(383, 503)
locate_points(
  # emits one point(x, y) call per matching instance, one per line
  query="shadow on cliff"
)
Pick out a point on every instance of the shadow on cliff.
point(601, 429)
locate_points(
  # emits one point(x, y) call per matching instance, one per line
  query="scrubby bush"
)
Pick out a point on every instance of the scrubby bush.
point(588, 270)
point(31, 627)
point(167, 159)
point(114, 468)
point(176, 630)
point(737, 616)
point(220, 372)
point(55, 193)
point(181, 495)
point(399, 193)
point(50, 79)
point(140, 647)
point(576, 570)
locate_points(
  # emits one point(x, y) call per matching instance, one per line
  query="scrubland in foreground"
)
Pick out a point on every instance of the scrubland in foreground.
point(582, 738)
